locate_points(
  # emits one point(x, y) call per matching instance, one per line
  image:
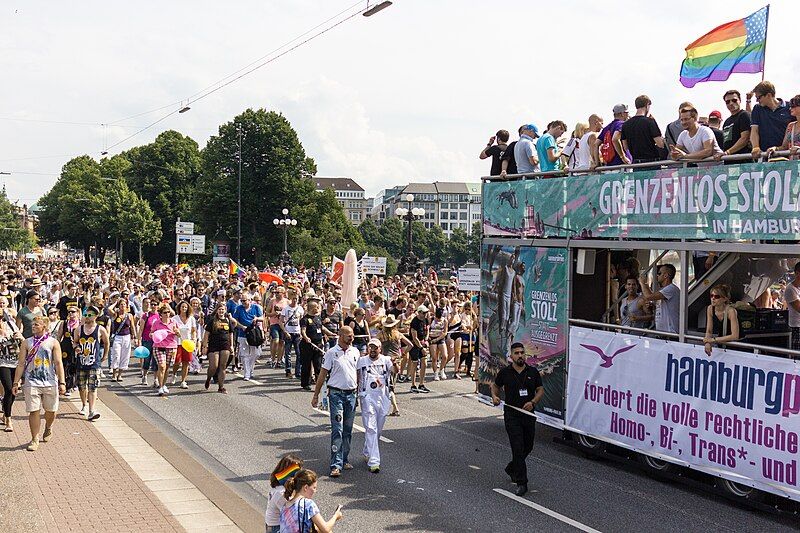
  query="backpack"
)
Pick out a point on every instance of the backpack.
point(254, 335)
point(607, 151)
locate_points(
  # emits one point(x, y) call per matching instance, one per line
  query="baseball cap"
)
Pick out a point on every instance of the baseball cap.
point(715, 114)
point(620, 108)
point(374, 342)
point(531, 127)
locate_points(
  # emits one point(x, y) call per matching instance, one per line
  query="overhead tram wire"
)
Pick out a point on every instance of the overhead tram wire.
point(222, 80)
point(237, 78)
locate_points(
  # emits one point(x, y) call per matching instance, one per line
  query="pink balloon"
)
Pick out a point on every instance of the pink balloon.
point(160, 335)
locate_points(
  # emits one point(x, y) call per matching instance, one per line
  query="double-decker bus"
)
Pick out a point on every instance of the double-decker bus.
point(558, 251)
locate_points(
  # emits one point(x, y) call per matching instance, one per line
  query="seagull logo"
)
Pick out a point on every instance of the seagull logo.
point(607, 360)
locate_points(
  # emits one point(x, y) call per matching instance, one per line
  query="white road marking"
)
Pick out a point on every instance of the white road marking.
point(356, 426)
point(545, 510)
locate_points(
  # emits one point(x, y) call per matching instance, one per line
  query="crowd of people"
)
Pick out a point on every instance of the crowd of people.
point(760, 129)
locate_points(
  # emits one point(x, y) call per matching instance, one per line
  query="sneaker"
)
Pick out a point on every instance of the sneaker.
point(172, 381)
point(67, 394)
point(155, 384)
point(456, 376)
point(166, 390)
point(375, 469)
point(436, 376)
point(47, 435)
point(33, 446)
point(93, 416)
point(161, 391)
point(414, 388)
point(245, 379)
point(443, 374)
point(184, 385)
point(144, 381)
point(423, 388)
point(82, 412)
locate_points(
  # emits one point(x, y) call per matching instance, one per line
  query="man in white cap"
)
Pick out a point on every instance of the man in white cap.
point(374, 376)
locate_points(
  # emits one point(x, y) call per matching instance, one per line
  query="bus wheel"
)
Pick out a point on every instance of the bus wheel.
point(739, 491)
point(589, 443)
point(657, 465)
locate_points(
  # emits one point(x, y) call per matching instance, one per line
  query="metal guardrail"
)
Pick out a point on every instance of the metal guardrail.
point(664, 334)
point(665, 163)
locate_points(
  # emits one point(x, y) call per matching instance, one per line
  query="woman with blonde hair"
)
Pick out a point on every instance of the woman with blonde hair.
point(570, 151)
point(722, 322)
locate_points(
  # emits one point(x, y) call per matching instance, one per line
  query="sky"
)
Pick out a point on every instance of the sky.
point(410, 94)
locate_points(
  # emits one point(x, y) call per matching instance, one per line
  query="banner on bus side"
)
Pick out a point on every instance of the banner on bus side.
point(749, 201)
point(734, 414)
point(524, 299)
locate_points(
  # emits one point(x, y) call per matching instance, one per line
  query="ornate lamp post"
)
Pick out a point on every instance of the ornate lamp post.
point(285, 223)
point(408, 263)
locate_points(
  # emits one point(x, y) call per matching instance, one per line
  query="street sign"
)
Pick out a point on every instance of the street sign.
point(469, 279)
point(191, 244)
point(184, 228)
point(373, 265)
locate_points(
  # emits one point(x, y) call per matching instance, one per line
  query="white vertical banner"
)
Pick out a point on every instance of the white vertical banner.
point(734, 414)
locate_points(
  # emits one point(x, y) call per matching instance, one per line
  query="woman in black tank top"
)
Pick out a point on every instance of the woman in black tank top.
point(715, 318)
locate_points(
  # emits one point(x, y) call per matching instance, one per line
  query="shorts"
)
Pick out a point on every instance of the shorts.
point(417, 353)
point(37, 398)
point(87, 378)
point(164, 356)
point(440, 341)
point(182, 356)
point(275, 332)
point(454, 335)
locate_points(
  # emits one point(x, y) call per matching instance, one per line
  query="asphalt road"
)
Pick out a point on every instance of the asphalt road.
point(442, 470)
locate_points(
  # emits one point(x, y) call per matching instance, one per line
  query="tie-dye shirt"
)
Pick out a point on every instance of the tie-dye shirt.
point(296, 517)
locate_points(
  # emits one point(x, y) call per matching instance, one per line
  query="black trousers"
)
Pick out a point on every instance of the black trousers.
point(520, 429)
point(7, 378)
point(309, 356)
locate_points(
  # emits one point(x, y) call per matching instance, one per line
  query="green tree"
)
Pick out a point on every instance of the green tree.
point(275, 175)
point(458, 247)
point(392, 237)
point(164, 173)
point(437, 246)
point(68, 207)
point(475, 243)
point(369, 232)
point(12, 235)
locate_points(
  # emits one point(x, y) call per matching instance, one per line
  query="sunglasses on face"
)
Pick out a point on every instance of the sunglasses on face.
point(90, 315)
point(715, 296)
point(732, 101)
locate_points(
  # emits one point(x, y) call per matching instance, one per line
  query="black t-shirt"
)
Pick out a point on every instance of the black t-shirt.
point(732, 130)
point(496, 151)
point(421, 327)
point(508, 155)
point(718, 135)
point(639, 131)
point(519, 387)
point(313, 327)
point(65, 302)
point(395, 312)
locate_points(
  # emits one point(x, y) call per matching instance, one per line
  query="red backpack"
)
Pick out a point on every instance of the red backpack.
point(607, 151)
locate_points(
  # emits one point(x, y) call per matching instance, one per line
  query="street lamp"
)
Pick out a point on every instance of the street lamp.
point(408, 263)
point(285, 223)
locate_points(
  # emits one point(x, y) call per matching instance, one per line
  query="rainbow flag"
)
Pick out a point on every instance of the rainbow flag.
point(286, 473)
point(735, 47)
point(234, 269)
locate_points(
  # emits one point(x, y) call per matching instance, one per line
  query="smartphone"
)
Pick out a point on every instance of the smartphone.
point(339, 508)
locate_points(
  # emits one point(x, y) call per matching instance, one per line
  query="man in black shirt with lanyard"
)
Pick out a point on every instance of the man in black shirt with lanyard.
point(522, 386)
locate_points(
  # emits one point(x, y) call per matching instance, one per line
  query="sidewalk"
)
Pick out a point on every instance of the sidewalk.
point(95, 476)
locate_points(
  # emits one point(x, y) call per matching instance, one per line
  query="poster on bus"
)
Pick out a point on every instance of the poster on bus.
point(749, 201)
point(734, 414)
point(524, 299)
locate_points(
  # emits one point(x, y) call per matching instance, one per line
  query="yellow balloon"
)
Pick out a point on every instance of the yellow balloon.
point(188, 345)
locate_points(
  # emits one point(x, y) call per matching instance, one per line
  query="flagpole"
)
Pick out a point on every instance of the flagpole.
point(766, 30)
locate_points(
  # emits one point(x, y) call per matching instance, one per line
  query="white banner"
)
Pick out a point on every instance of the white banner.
point(469, 279)
point(373, 265)
point(734, 414)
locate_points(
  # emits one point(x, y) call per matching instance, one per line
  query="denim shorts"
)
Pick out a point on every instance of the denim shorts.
point(275, 333)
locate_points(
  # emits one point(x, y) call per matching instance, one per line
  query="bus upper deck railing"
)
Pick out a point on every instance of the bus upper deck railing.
point(758, 348)
point(664, 164)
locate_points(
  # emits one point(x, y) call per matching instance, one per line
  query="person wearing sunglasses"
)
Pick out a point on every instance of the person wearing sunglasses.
point(791, 139)
point(722, 322)
point(769, 119)
point(91, 350)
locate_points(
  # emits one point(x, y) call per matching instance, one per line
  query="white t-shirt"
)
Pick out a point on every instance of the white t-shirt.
point(695, 144)
point(668, 310)
point(791, 294)
point(341, 366)
point(185, 327)
point(291, 318)
point(276, 502)
point(374, 375)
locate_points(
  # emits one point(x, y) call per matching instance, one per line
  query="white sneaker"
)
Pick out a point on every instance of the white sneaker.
point(82, 412)
point(184, 385)
point(161, 391)
point(436, 376)
point(144, 381)
point(172, 382)
point(165, 389)
point(444, 374)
